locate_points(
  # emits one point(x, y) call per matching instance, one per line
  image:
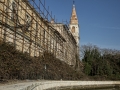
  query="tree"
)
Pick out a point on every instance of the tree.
point(101, 62)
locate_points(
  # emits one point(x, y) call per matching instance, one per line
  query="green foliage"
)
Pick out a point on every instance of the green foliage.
point(99, 63)
point(87, 69)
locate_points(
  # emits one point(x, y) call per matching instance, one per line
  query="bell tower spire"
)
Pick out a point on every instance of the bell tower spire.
point(74, 19)
point(74, 25)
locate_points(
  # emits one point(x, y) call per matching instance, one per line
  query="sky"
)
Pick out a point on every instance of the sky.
point(99, 20)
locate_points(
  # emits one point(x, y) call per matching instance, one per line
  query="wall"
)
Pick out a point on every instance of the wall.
point(30, 32)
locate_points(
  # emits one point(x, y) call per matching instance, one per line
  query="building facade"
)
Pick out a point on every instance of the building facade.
point(30, 30)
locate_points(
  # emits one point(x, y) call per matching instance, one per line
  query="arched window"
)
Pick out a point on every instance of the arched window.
point(73, 29)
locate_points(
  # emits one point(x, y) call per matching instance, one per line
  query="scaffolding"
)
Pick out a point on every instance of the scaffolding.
point(27, 25)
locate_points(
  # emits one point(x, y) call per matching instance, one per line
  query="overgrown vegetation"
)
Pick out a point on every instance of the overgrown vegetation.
point(17, 65)
point(101, 64)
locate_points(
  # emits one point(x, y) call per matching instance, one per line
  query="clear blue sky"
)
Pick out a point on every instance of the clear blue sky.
point(99, 20)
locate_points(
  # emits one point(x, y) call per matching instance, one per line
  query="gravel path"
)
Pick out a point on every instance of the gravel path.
point(18, 85)
point(42, 84)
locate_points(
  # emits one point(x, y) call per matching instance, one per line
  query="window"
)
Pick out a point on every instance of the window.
point(13, 10)
point(28, 22)
point(28, 19)
point(0, 18)
point(14, 5)
point(73, 29)
point(37, 26)
point(44, 33)
point(0, 15)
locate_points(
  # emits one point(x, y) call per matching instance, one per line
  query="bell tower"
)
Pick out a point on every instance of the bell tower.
point(74, 25)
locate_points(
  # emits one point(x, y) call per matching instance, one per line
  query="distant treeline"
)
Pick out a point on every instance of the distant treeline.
point(101, 63)
point(17, 65)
